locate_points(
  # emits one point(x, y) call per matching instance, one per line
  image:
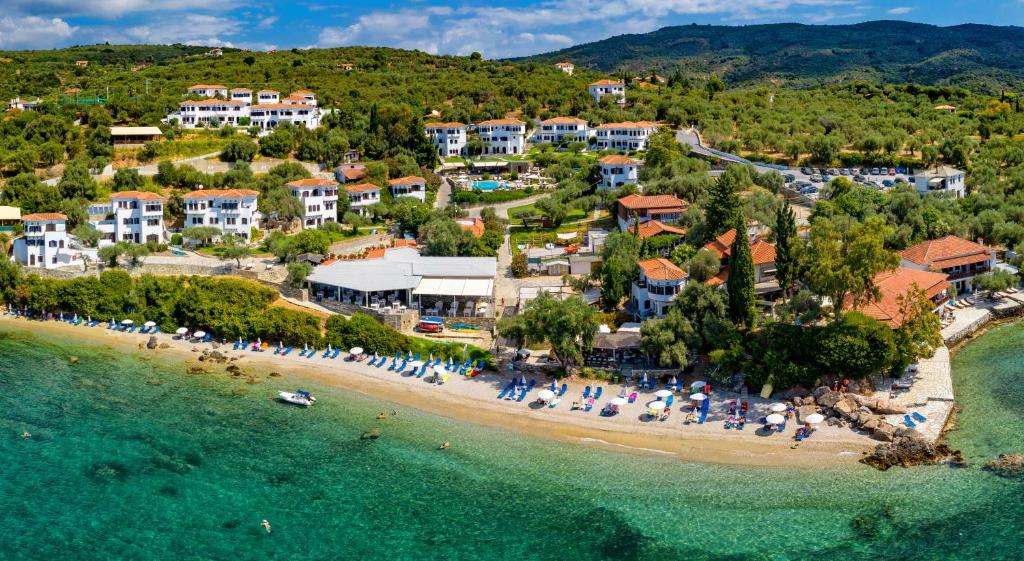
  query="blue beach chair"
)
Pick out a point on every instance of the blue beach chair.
point(918, 417)
point(286, 351)
point(909, 422)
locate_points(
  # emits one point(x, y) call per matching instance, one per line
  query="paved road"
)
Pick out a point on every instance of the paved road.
point(501, 209)
point(444, 193)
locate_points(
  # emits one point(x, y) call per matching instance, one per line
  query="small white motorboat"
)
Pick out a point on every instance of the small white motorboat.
point(300, 397)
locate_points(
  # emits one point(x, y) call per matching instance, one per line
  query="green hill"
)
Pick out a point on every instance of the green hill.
point(979, 57)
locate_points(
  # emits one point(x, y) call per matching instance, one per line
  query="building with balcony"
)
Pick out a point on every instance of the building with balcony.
point(409, 186)
point(502, 136)
point(130, 216)
point(208, 90)
point(448, 138)
point(242, 94)
point(44, 242)
point(941, 179)
point(657, 285)
point(959, 259)
point(630, 136)
point(209, 113)
point(267, 116)
point(613, 88)
point(232, 211)
point(559, 130)
point(641, 208)
point(361, 196)
point(617, 171)
point(268, 96)
point(319, 198)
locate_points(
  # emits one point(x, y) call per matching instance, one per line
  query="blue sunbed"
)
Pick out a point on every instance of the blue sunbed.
point(918, 417)
point(311, 354)
point(511, 387)
point(155, 330)
point(237, 343)
point(561, 392)
point(335, 353)
point(668, 401)
point(423, 370)
point(286, 351)
point(526, 390)
point(910, 422)
point(597, 393)
point(327, 353)
point(586, 392)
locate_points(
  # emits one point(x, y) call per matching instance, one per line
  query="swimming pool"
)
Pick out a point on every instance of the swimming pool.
point(489, 185)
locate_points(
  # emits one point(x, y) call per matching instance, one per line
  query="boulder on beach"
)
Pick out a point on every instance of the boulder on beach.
point(827, 398)
point(906, 451)
point(884, 431)
point(1006, 465)
point(275, 374)
point(803, 411)
point(846, 407)
point(197, 369)
point(882, 406)
point(152, 343)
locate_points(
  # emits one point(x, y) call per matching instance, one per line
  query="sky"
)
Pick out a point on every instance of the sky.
point(495, 28)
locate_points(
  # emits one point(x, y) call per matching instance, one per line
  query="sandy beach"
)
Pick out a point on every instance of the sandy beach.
point(475, 400)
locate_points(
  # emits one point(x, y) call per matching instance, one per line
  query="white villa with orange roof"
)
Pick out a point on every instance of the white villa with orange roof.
point(961, 260)
point(448, 138)
point(502, 136)
point(44, 242)
point(617, 171)
point(361, 196)
point(232, 211)
point(659, 282)
point(562, 129)
point(208, 90)
point(625, 136)
point(299, 108)
point(268, 96)
point(242, 94)
point(130, 216)
point(267, 116)
point(897, 283)
point(614, 88)
point(409, 186)
point(665, 208)
point(319, 199)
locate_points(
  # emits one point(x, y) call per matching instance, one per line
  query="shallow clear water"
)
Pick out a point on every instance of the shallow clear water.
point(489, 185)
point(133, 459)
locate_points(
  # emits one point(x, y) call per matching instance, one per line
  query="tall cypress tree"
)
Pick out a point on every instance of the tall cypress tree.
point(741, 279)
point(724, 206)
point(786, 264)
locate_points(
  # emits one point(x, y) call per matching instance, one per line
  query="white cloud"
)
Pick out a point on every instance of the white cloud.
point(899, 10)
point(33, 32)
point(190, 29)
point(267, 22)
point(104, 9)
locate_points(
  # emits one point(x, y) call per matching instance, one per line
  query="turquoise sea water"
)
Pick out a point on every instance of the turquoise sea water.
point(133, 459)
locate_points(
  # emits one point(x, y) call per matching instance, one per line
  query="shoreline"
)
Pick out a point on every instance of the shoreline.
point(474, 401)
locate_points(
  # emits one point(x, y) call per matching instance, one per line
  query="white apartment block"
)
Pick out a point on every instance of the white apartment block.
point(300, 97)
point(601, 88)
point(562, 129)
point(207, 90)
point(448, 138)
point(44, 242)
point(242, 94)
point(566, 67)
point(617, 171)
point(130, 216)
point(409, 186)
point(209, 112)
point(625, 136)
point(319, 199)
point(502, 136)
point(232, 211)
point(269, 110)
point(268, 96)
point(362, 196)
point(941, 179)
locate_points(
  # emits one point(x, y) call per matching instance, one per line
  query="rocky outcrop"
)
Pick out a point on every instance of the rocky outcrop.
point(1006, 465)
point(906, 450)
point(883, 406)
point(152, 343)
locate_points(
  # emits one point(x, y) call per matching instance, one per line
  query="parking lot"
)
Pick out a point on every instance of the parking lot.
point(808, 181)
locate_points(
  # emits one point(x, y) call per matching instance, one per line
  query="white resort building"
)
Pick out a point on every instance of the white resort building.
point(617, 171)
point(44, 242)
point(268, 116)
point(659, 282)
point(409, 186)
point(401, 279)
point(625, 136)
point(242, 94)
point(268, 96)
point(448, 138)
point(207, 90)
point(319, 199)
point(299, 108)
point(130, 216)
point(502, 136)
point(562, 129)
point(941, 179)
point(614, 88)
point(361, 196)
point(232, 211)
point(566, 66)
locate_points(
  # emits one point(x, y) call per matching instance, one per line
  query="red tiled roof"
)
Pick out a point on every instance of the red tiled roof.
point(895, 283)
point(353, 173)
point(301, 92)
point(207, 87)
point(268, 91)
point(721, 278)
point(659, 202)
point(222, 193)
point(629, 125)
point(946, 252)
point(312, 182)
point(282, 106)
point(565, 120)
point(762, 252)
point(618, 160)
point(241, 90)
point(653, 228)
point(43, 216)
point(500, 122)
point(362, 187)
point(213, 101)
point(144, 195)
point(407, 180)
point(476, 227)
point(661, 269)
point(402, 242)
point(444, 125)
point(607, 83)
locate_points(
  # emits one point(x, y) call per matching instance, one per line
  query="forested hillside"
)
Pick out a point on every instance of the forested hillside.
point(980, 57)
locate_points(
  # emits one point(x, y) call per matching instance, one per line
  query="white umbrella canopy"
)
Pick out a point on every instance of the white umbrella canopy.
point(127, 322)
point(815, 418)
point(619, 401)
point(698, 384)
point(663, 393)
point(777, 407)
point(355, 351)
point(413, 364)
point(149, 324)
point(657, 406)
point(698, 397)
point(775, 419)
point(182, 330)
point(199, 334)
point(545, 395)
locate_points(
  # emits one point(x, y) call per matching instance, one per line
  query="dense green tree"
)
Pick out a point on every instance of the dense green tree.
point(567, 325)
point(740, 286)
point(127, 179)
point(703, 265)
point(787, 248)
point(619, 268)
point(666, 339)
point(76, 181)
point(238, 150)
point(297, 273)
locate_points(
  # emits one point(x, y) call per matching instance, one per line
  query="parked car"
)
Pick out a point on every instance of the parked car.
point(858, 178)
point(900, 179)
point(901, 170)
point(809, 190)
point(911, 180)
point(801, 185)
point(816, 178)
point(844, 171)
point(865, 171)
point(789, 178)
point(826, 178)
point(874, 171)
point(887, 183)
point(807, 171)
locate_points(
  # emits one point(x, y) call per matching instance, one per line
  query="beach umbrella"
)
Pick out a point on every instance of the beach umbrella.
point(698, 397)
point(644, 380)
point(127, 322)
point(663, 393)
point(619, 401)
point(149, 324)
point(657, 405)
point(522, 381)
point(777, 407)
point(355, 351)
point(199, 334)
point(545, 395)
point(414, 364)
point(673, 381)
point(815, 418)
point(182, 330)
point(698, 384)
point(775, 419)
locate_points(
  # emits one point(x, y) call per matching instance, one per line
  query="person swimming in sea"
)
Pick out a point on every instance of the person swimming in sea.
point(266, 526)
point(382, 415)
point(26, 434)
point(444, 445)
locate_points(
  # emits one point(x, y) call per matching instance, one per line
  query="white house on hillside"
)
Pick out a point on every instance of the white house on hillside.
point(44, 242)
point(232, 211)
point(614, 88)
point(130, 216)
point(617, 171)
point(242, 94)
point(409, 186)
point(625, 136)
point(566, 66)
point(362, 196)
point(659, 282)
point(941, 179)
point(207, 90)
point(448, 138)
point(268, 115)
point(268, 96)
point(502, 136)
point(319, 199)
point(209, 112)
point(562, 129)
